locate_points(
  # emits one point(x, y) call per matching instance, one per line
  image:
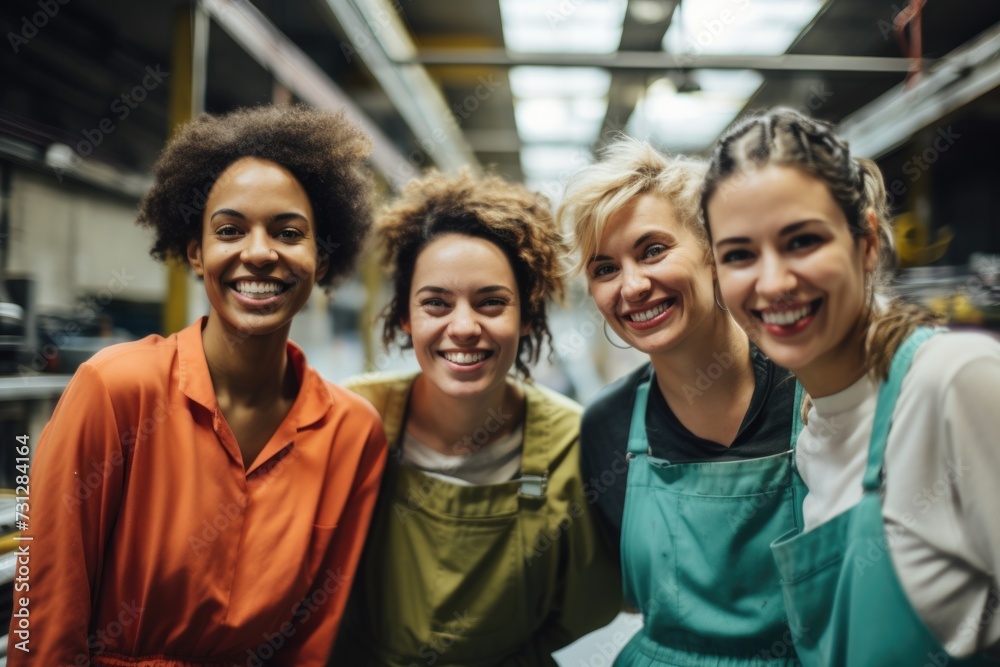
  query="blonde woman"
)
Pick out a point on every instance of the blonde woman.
point(704, 426)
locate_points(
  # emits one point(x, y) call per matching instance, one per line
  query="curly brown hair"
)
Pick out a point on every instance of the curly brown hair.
point(324, 150)
point(517, 221)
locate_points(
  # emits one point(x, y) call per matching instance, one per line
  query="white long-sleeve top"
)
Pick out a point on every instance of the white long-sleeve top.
point(942, 481)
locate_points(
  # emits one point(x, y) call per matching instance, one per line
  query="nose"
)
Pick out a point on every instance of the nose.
point(776, 280)
point(635, 283)
point(464, 324)
point(258, 249)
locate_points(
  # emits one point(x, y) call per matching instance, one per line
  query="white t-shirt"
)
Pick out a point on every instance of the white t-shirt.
point(942, 481)
point(498, 462)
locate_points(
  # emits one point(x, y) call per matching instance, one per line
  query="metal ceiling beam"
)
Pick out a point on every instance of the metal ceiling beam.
point(658, 60)
point(293, 68)
point(959, 78)
point(376, 32)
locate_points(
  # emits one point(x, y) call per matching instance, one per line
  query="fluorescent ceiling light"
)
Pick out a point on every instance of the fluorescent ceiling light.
point(738, 27)
point(528, 82)
point(559, 120)
point(690, 122)
point(546, 168)
point(562, 26)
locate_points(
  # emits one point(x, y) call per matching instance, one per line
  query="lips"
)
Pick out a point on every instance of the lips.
point(467, 358)
point(259, 290)
point(650, 317)
point(788, 319)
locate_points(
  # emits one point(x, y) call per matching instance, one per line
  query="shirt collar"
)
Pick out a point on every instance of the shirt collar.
point(314, 399)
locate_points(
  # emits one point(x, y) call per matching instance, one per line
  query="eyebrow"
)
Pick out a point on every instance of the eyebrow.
point(638, 242)
point(785, 231)
point(280, 217)
point(482, 290)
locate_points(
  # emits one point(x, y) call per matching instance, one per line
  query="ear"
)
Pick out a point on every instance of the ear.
point(525, 329)
point(194, 257)
point(322, 267)
point(404, 326)
point(870, 243)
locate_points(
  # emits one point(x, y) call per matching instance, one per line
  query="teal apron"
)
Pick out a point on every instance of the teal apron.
point(845, 604)
point(695, 556)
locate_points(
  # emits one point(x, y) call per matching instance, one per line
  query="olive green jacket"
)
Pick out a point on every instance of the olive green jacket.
point(479, 576)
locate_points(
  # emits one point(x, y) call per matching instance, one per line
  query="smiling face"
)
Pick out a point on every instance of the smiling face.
point(464, 315)
point(257, 252)
point(650, 276)
point(792, 274)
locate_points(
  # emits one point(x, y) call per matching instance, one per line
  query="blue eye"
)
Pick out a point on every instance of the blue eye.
point(654, 250)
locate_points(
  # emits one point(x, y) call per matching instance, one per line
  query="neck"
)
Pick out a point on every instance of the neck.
point(455, 425)
point(246, 369)
point(840, 367)
point(712, 365)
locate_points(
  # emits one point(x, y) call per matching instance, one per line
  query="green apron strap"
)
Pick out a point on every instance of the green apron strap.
point(887, 394)
point(637, 441)
point(534, 451)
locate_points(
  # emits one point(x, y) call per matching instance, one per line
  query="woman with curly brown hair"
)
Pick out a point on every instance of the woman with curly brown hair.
point(202, 499)
point(483, 549)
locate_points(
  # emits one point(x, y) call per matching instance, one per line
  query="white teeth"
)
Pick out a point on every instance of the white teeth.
point(648, 314)
point(465, 358)
point(785, 317)
point(249, 288)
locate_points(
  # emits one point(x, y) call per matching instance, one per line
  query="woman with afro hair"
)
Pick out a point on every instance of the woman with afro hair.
point(202, 499)
point(483, 549)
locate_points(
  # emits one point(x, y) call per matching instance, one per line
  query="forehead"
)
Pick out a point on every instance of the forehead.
point(646, 213)
point(773, 193)
point(252, 175)
point(460, 261)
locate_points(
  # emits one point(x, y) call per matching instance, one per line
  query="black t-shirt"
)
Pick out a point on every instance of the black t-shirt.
point(766, 430)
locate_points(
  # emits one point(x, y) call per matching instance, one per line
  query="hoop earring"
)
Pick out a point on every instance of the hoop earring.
point(716, 291)
point(608, 337)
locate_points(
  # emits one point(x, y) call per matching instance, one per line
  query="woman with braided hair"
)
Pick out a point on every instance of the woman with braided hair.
point(898, 559)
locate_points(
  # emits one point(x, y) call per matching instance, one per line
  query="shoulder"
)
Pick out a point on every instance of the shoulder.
point(379, 388)
point(352, 403)
point(954, 360)
point(615, 400)
point(116, 365)
point(556, 404)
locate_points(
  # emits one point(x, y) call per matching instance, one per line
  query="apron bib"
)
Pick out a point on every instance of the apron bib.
point(696, 559)
point(454, 558)
point(845, 603)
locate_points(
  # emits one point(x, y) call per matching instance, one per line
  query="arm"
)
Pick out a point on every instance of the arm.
point(316, 619)
point(972, 424)
point(76, 485)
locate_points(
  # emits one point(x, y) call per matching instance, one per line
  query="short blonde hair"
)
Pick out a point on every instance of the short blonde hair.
point(626, 170)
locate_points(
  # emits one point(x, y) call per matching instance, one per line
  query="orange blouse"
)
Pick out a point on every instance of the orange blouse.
point(152, 546)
